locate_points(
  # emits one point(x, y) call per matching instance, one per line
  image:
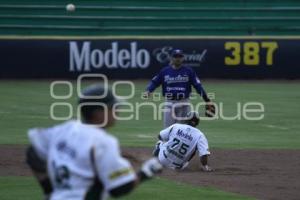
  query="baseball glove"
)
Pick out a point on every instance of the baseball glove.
point(210, 110)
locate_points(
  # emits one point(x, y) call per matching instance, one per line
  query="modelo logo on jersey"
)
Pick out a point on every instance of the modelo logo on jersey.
point(162, 55)
point(86, 58)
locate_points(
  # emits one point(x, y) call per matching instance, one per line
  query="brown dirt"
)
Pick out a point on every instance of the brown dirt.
point(262, 174)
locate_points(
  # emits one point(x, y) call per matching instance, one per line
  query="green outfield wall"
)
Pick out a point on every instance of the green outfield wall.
point(134, 17)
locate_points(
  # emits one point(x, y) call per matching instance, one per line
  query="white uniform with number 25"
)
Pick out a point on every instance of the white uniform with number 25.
point(77, 153)
point(179, 144)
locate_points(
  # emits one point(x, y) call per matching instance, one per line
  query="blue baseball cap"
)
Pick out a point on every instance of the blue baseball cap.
point(177, 53)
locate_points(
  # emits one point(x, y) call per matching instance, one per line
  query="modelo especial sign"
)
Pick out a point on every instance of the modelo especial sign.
point(142, 58)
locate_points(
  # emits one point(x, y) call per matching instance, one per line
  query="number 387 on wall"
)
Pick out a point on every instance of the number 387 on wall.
point(248, 53)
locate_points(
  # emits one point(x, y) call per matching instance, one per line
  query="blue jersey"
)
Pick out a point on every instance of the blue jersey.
point(177, 83)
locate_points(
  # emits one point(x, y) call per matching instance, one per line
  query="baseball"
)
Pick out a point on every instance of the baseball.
point(70, 7)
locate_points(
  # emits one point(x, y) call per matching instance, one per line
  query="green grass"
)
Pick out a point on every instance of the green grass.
point(15, 188)
point(26, 104)
point(26, 188)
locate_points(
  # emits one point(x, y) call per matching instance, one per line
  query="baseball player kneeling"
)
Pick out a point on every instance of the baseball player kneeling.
point(78, 160)
point(179, 142)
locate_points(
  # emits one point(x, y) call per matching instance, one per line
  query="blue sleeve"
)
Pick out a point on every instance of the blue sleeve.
point(197, 85)
point(155, 82)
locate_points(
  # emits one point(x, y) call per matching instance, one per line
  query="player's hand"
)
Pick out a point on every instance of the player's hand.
point(206, 168)
point(146, 95)
point(151, 167)
point(210, 109)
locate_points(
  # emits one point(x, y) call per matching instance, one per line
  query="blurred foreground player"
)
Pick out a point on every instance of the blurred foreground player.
point(78, 160)
point(179, 143)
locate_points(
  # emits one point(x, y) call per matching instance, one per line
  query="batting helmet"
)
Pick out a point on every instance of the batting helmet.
point(193, 118)
point(95, 94)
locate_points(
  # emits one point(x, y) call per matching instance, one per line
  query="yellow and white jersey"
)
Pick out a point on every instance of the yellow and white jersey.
point(179, 144)
point(81, 160)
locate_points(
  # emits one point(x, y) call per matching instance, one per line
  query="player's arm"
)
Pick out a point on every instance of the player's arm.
point(198, 86)
point(38, 168)
point(154, 83)
point(203, 150)
point(165, 133)
point(204, 162)
point(210, 107)
point(117, 174)
point(36, 156)
point(147, 171)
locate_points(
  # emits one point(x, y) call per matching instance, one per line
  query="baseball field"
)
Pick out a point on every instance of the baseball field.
point(253, 159)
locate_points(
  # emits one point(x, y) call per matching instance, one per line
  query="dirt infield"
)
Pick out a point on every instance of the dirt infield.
point(262, 174)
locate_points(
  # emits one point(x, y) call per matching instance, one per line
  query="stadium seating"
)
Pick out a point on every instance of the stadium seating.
point(135, 17)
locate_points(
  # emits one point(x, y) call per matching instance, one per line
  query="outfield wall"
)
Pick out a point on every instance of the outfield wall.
point(132, 58)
